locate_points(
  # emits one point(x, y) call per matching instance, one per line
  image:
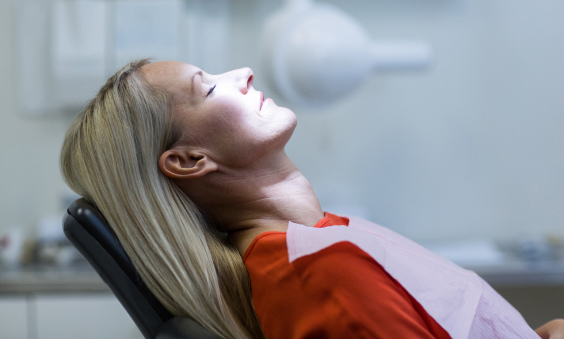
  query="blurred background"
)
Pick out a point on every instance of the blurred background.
point(465, 156)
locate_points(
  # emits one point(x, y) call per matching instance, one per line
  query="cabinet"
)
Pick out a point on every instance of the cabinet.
point(65, 316)
point(88, 316)
point(13, 317)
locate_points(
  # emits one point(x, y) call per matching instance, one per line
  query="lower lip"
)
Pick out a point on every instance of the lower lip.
point(265, 103)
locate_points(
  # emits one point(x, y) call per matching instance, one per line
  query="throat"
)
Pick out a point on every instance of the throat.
point(247, 202)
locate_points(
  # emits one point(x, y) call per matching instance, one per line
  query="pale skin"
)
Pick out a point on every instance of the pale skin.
point(231, 161)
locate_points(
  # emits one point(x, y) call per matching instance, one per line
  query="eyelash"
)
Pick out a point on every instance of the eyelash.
point(210, 92)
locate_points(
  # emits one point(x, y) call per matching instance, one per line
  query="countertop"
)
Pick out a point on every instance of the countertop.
point(50, 279)
point(82, 278)
point(523, 273)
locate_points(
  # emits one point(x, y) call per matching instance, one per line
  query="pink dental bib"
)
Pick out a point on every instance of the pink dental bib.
point(458, 299)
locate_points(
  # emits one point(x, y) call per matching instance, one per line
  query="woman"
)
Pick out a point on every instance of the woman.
point(190, 171)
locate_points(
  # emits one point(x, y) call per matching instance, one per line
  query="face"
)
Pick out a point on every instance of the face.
point(223, 114)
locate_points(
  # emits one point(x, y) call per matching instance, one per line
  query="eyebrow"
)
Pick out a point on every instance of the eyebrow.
point(193, 76)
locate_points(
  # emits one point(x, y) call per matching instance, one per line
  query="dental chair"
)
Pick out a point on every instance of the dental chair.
point(90, 233)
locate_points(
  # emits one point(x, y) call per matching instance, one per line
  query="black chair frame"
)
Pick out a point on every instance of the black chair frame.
point(90, 233)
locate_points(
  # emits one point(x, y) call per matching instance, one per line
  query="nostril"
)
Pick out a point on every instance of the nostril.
point(250, 81)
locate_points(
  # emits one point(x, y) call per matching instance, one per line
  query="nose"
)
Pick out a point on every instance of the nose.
point(244, 78)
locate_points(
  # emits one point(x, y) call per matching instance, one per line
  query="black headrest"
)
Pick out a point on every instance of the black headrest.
point(91, 234)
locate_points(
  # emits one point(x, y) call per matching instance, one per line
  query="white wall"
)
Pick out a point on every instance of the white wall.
point(471, 148)
point(30, 184)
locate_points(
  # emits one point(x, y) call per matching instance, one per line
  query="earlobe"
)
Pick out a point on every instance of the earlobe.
point(181, 163)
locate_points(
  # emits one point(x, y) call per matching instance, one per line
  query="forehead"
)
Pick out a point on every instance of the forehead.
point(175, 77)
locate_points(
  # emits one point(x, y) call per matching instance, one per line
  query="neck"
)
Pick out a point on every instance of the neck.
point(257, 200)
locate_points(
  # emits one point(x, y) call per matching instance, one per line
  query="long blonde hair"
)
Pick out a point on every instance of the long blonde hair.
point(110, 156)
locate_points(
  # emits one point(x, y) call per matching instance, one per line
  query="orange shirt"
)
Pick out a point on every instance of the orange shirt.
point(338, 292)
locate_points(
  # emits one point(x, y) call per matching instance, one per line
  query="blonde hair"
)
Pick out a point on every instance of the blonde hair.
point(110, 156)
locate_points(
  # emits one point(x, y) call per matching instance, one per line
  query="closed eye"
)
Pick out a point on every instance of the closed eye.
point(210, 92)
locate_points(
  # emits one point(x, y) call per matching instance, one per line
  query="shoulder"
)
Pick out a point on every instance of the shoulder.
point(339, 266)
point(352, 277)
point(337, 292)
point(369, 300)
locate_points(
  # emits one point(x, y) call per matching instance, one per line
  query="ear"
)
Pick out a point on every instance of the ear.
point(180, 162)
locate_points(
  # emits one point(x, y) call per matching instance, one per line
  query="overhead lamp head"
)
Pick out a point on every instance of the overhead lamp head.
point(314, 53)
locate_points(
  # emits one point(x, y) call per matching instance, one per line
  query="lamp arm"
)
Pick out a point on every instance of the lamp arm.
point(392, 56)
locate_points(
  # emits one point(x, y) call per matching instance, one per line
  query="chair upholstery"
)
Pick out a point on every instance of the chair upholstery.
point(90, 233)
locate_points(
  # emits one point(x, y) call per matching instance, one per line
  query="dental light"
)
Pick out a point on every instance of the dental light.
point(314, 53)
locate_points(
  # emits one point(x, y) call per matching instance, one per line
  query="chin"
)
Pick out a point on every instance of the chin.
point(291, 124)
point(291, 116)
point(292, 121)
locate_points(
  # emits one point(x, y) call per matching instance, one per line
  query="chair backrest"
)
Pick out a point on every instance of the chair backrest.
point(87, 229)
point(90, 233)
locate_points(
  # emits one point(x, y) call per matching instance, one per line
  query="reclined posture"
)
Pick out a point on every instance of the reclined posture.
point(189, 170)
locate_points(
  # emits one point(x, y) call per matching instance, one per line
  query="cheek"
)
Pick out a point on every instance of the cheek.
point(226, 127)
point(227, 119)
